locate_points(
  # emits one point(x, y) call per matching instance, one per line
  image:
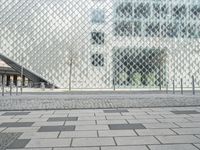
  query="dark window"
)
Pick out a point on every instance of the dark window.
point(179, 12)
point(97, 38)
point(137, 28)
point(124, 10)
point(170, 30)
point(183, 30)
point(195, 12)
point(192, 31)
point(123, 28)
point(152, 29)
point(98, 16)
point(160, 11)
point(97, 60)
point(142, 11)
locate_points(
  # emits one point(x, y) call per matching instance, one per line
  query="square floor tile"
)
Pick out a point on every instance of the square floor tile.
point(126, 126)
point(186, 112)
point(115, 111)
point(56, 128)
point(20, 143)
point(62, 119)
point(16, 124)
point(15, 113)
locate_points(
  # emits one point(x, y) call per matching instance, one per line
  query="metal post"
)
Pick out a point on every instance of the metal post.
point(114, 84)
point(193, 85)
point(181, 86)
point(3, 85)
point(22, 70)
point(173, 87)
point(70, 74)
point(167, 88)
point(10, 89)
point(17, 89)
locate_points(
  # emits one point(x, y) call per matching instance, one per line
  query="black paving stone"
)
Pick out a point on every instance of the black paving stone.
point(19, 143)
point(115, 111)
point(16, 124)
point(52, 119)
point(126, 126)
point(56, 128)
point(186, 112)
point(15, 113)
point(7, 138)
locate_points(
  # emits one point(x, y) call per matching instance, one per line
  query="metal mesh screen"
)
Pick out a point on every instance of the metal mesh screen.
point(104, 43)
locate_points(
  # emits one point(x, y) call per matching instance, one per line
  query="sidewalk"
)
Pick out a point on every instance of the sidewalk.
point(172, 128)
point(91, 100)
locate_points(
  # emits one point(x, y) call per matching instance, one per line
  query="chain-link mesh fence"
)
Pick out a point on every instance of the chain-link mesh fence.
point(101, 44)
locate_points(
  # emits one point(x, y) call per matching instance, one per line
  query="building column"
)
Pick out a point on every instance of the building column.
point(15, 80)
point(8, 80)
point(24, 78)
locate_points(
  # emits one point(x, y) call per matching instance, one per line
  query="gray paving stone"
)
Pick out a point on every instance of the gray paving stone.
point(125, 126)
point(111, 122)
point(189, 124)
point(19, 143)
point(124, 148)
point(155, 132)
point(173, 147)
point(182, 139)
point(115, 111)
point(15, 113)
point(78, 134)
point(63, 119)
point(56, 128)
point(159, 125)
point(112, 133)
point(93, 142)
point(186, 112)
point(197, 145)
point(40, 143)
point(16, 124)
point(142, 140)
point(21, 129)
point(187, 130)
point(39, 135)
point(82, 148)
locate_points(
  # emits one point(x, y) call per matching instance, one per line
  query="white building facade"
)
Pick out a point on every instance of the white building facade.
point(103, 43)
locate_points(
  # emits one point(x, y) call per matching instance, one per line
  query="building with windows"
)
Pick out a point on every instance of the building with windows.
point(99, 44)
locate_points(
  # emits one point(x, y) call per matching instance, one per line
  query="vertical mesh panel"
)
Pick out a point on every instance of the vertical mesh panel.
point(126, 43)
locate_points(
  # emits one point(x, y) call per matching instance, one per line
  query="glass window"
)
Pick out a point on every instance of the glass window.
point(152, 29)
point(98, 16)
point(97, 60)
point(123, 28)
point(97, 38)
point(142, 10)
point(137, 28)
point(179, 12)
point(124, 10)
point(195, 12)
point(160, 11)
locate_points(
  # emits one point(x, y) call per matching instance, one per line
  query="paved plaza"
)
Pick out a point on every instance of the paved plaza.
point(91, 100)
point(166, 128)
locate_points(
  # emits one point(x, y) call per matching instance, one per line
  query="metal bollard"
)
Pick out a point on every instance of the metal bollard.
point(10, 89)
point(193, 85)
point(114, 84)
point(167, 88)
point(3, 85)
point(173, 87)
point(181, 86)
point(16, 89)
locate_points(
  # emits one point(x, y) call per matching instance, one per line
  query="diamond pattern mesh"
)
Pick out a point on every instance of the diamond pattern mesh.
point(128, 43)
